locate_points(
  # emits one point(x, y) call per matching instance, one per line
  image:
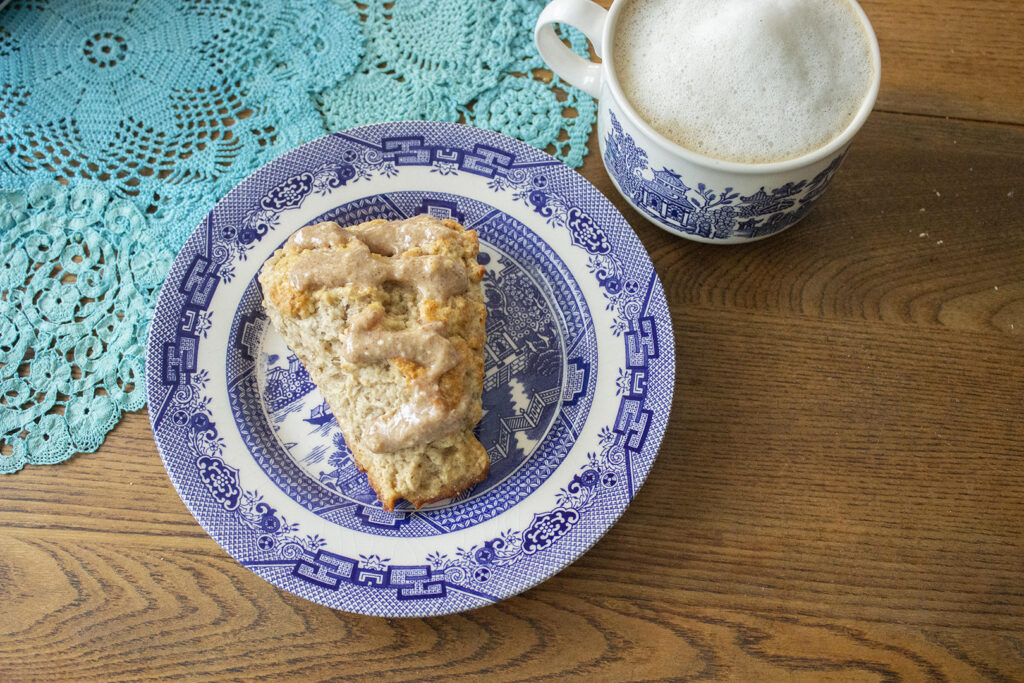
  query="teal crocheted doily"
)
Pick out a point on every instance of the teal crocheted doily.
point(122, 122)
point(170, 104)
point(462, 61)
point(79, 279)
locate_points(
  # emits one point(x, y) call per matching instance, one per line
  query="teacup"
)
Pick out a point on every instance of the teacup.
point(681, 191)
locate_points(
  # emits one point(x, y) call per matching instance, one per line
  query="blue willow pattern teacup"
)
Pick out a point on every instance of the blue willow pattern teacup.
point(681, 191)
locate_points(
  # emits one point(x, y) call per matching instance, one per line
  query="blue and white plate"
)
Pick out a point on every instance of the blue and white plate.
point(578, 385)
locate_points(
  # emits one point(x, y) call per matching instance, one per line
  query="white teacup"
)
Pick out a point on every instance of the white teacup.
point(683, 192)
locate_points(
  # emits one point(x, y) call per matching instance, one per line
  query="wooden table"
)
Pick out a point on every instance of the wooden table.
point(840, 494)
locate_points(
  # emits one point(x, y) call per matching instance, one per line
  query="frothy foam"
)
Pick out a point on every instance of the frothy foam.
point(752, 81)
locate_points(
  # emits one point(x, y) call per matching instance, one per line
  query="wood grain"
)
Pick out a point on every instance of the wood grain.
point(839, 496)
point(777, 570)
point(951, 58)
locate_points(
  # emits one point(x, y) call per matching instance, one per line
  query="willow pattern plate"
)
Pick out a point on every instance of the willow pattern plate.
point(577, 390)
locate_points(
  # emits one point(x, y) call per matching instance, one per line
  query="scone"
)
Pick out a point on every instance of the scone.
point(388, 318)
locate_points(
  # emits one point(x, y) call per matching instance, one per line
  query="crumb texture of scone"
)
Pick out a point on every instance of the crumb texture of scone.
point(389, 319)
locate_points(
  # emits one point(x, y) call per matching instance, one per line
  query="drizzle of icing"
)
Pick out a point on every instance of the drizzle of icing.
point(394, 237)
point(426, 417)
point(322, 264)
point(369, 255)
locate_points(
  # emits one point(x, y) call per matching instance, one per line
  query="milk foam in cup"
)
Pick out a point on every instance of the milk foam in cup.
point(721, 121)
point(751, 81)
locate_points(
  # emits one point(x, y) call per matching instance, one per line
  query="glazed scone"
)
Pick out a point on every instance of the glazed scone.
point(388, 318)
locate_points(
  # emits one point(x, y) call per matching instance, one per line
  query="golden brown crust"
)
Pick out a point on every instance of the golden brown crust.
point(288, 299)
point(450, 491)
point(411, 370)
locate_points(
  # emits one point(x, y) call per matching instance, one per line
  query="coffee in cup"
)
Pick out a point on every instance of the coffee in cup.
point(749, 81)
point(721, 121)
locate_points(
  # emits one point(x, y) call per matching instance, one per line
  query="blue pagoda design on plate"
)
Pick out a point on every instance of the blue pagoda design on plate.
point(287, 385)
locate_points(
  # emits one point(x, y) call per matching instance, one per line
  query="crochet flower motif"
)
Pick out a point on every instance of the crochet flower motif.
point(167, 103)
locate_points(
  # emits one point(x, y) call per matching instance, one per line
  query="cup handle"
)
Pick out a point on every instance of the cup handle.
point(570, 67)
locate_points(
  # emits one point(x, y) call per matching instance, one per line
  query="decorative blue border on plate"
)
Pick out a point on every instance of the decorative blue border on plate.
point(298, 560)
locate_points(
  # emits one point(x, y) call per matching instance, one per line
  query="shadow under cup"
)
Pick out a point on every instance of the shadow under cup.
point(679, 190)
